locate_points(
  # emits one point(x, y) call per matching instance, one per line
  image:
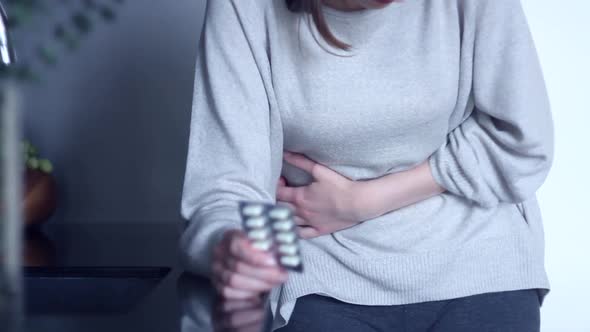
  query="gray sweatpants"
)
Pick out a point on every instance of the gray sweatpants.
point(510, 311)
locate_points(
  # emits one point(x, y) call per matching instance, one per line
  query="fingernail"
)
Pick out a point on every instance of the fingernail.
point(270, 261)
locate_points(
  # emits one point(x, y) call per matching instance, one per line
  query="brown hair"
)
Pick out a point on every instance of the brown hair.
point(314, 7)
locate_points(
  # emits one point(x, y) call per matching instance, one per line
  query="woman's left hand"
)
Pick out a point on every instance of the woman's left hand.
point(328, 204)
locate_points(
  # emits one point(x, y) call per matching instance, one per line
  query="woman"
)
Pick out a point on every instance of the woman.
point(418, 132)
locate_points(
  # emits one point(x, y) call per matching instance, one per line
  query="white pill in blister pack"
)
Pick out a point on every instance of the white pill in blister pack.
point(262, 245)
point(259, 234)
point(286, 237)
point(253, 210)
point(283, 225)
point(292, 261)
point(271, 228)
point(256, 222)
point(279, 213)
point(288, 249)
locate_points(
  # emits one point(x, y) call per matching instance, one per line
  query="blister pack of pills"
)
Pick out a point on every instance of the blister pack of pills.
point(272, 228)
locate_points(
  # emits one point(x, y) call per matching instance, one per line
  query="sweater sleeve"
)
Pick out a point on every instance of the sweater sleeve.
point(503, 150)
point(229, 150)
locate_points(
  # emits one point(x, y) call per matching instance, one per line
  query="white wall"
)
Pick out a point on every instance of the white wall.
point(561, 31)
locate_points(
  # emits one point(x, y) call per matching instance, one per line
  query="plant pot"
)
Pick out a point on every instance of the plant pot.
point(40, 198)
point(38, 249)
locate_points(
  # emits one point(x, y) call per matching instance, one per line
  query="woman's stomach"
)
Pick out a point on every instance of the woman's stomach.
point(438, 223)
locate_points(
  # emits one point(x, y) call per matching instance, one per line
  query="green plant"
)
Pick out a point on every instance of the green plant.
point(32, 160)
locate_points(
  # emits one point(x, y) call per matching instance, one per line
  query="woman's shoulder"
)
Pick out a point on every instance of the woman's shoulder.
point(255, 17)
point(251, 10)
point(488, 7)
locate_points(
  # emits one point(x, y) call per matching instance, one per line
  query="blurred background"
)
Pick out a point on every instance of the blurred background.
point(113, 114)
point(106, 89)
point(113, 118)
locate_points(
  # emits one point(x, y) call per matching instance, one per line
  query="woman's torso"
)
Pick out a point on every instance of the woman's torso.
point(384, 110)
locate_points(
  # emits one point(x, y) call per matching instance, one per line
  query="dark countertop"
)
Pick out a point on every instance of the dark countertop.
point(115, 277)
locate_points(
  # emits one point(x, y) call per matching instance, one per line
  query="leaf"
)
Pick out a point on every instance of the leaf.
point(65, 36)
point(60, 31)
point(33, 163)
point(107, 13)
point(81, 22)
point(90, 4)
point(18, 15)
point(24, 72)
point(47, 55)
point(45, 165)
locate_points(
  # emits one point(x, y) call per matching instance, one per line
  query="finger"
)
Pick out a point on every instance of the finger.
point(271, 275)
point(287, 204)
point(316, 170)
point(216, 277)
point(239, 281)
point(240, 248)
point(299, 215)
point(234, 305)
point(239, 319)
point(287, 194)
point(281, 183)
point(300, 221)
point(228, 237)
point(228, 292)
point(216, 268)
point(307, 232)
point(290, 206)
point(232, 293)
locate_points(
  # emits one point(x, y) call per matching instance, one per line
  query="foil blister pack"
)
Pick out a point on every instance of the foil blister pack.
point(271, 228)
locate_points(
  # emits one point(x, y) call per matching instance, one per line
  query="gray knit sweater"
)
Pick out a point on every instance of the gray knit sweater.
point(457, 82)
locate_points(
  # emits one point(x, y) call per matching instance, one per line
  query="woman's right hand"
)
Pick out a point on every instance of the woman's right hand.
point(241, 271)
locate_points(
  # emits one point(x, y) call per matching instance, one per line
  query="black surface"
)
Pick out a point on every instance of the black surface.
point(95, 272)
point(121, 277)
point(102, 277)
point(87, 290)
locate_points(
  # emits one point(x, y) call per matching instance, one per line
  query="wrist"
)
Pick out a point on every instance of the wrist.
point(394, 191)
point(216, 239)
point(369, 199)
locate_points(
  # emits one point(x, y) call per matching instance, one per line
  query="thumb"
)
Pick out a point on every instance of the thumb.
point(282, 181)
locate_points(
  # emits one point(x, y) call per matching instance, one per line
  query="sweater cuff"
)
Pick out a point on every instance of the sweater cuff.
point(447, 174)
point(199, 238)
